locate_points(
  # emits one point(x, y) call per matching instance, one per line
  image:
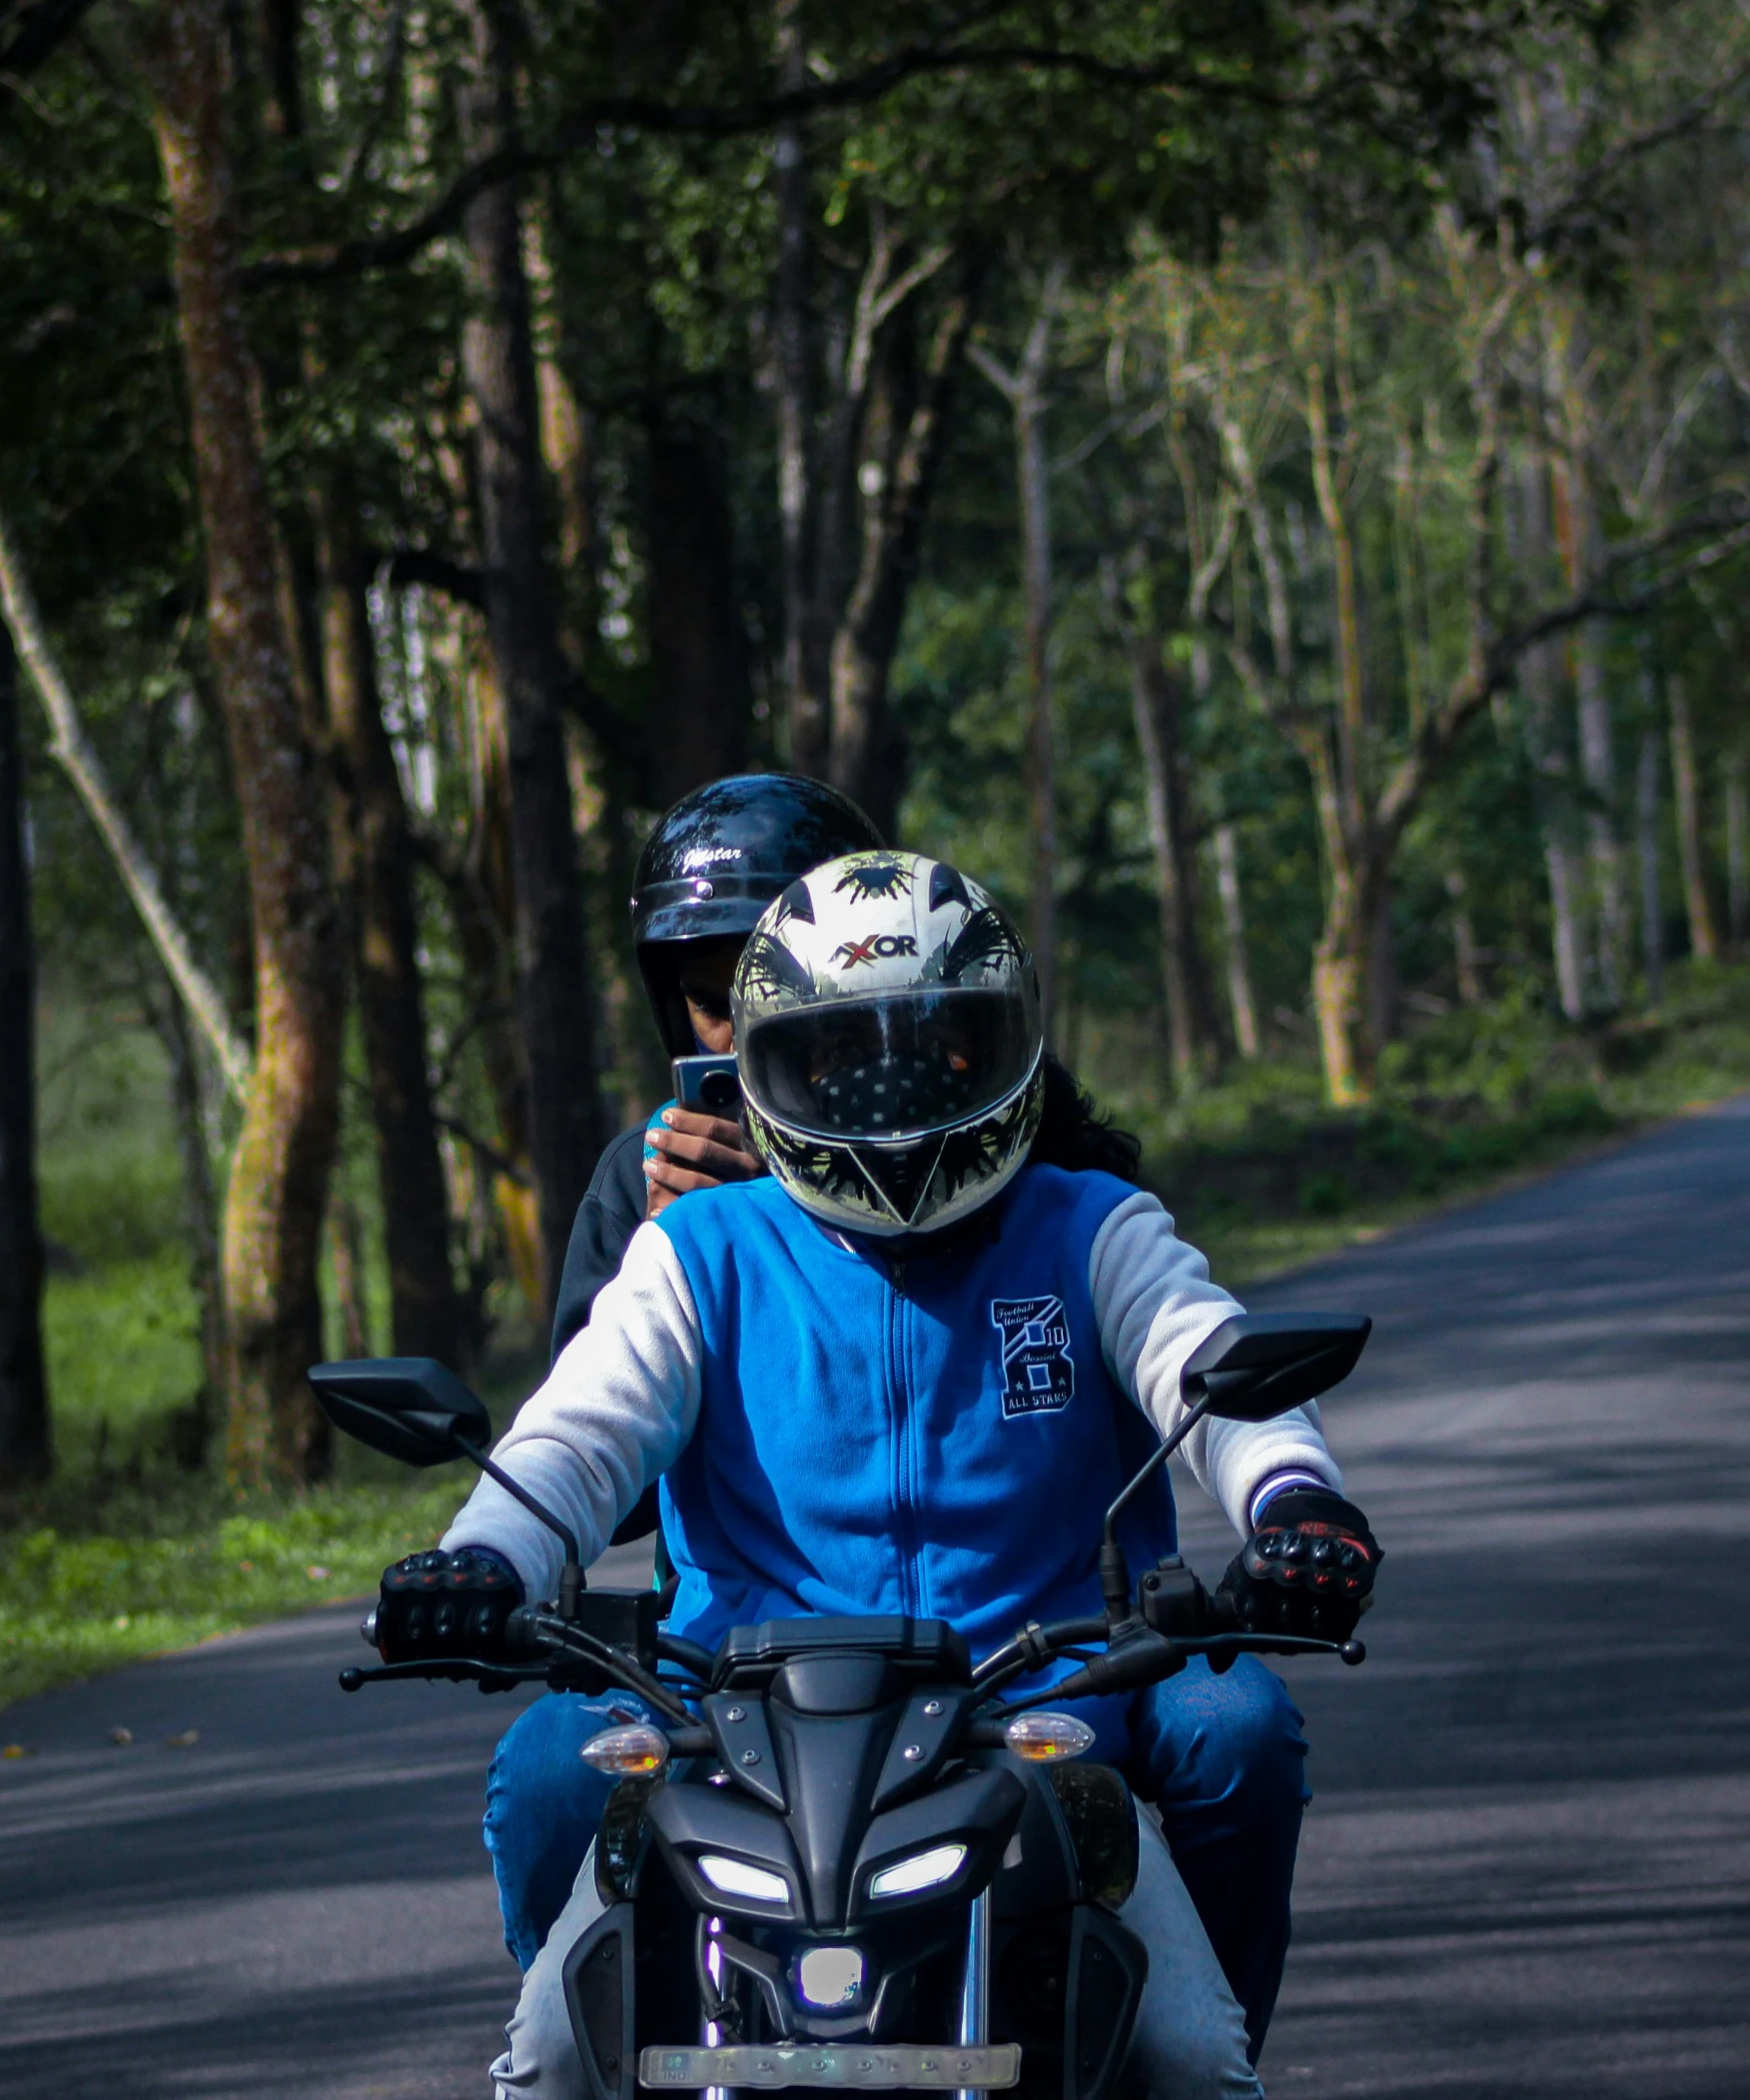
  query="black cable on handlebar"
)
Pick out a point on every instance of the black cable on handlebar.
point(1033, 1648)
point(697, 1661)
point(629, 1674)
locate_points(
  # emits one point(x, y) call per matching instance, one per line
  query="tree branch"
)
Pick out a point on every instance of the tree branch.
point(1584, 187)
point(703, 120)
point(500, 1162)
point(402, 567)
point(38, 30)
point(73, 750)
point(1723, 532)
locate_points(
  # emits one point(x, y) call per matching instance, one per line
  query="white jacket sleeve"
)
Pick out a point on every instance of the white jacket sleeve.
point(616, 1411)
point(1155, 1303)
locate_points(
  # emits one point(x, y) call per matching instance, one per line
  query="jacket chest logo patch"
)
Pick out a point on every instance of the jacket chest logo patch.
point(1039, 1376)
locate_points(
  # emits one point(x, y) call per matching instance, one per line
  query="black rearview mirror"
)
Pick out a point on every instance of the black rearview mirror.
point(1262, 1364)
point(408, 1408)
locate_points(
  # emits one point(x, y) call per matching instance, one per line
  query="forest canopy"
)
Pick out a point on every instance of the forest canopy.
point(1263, 486)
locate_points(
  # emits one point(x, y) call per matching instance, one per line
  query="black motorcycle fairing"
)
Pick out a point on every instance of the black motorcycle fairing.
point(929, 1731)
point(743, 1737)
point(1108, 1965)
point(598, 1978)
point(690, 1820)
point(980, 1811)
point(830, 1764)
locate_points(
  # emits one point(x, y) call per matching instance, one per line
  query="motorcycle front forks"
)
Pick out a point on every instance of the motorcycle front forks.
point(975, 1991)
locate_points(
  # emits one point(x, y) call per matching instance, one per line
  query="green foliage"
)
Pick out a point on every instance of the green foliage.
point(72, 1601)
point(1262, 1175)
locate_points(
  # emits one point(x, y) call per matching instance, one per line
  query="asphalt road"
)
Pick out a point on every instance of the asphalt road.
point(1526, 1869)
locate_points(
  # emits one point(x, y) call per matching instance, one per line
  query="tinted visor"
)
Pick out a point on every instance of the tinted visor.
point(891, 1067)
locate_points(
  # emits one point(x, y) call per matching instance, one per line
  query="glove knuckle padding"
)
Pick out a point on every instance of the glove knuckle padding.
point(442, 1604)
point(1308, 1569)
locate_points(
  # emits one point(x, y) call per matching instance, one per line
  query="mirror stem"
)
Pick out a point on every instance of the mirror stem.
point(571, 1575)
point(1115, 1585)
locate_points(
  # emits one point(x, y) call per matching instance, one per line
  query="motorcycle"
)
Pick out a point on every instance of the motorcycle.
point(838, 1857)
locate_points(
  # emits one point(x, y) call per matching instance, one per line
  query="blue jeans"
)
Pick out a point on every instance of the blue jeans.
point(1222, 1759)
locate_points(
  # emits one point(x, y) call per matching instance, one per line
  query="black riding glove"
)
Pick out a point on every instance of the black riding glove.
point(1308, 1569)
point(437, 1604)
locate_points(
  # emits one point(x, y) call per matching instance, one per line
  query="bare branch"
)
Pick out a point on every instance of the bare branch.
point(500, 1162)
point(1722, 533)
point(1585, 186)
point(73, 750)
point(407, 566)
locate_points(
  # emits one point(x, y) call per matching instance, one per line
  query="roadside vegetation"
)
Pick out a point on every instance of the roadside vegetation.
point(126, 1552)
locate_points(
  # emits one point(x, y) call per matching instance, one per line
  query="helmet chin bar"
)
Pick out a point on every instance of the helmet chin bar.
point(857, 1185)
point(900, 1175)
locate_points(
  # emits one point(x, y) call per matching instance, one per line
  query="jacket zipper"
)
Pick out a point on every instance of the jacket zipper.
point(903, 1514)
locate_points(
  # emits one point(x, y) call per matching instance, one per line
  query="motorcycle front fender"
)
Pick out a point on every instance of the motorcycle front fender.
point(1108, 1965)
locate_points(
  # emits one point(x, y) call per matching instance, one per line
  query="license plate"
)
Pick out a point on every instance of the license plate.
point(853, 2065)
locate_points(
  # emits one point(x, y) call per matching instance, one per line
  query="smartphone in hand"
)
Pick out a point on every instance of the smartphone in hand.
point(712, 1086)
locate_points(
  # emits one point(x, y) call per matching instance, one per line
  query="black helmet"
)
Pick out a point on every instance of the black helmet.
point(717, 859)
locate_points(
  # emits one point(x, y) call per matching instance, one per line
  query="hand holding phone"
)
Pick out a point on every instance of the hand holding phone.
point(697, 1143)
point(709, 1085)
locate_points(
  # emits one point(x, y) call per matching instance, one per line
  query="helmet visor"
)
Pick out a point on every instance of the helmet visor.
point(891, 1067)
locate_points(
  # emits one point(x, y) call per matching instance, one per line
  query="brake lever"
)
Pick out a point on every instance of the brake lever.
point(1352, 1651)
point(489, 1677)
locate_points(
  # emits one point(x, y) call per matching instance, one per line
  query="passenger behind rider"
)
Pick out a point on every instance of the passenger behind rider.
point(1219, 1757)
point(710, 867)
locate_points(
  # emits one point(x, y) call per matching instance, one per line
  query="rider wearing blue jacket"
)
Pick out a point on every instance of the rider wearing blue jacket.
point(907, 1373)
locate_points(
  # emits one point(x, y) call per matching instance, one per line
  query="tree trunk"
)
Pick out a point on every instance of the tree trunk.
point(198, 1423)
point(1032, 473)
point(1464, 958)
point(553, 998)
point(897, 480)
point(73, 752)
point(807, 669)
point(26, 1450)
point(279, 1177)
point(1686, 788)
point(1646, 813)
point(1737, 848)
point(1538, 683)
point(1156, 714)
point(424, 1314)
point(1576, 534)
point(702, 698)
point(1025, 390)
point(347, 1263)
point(1240, 1000)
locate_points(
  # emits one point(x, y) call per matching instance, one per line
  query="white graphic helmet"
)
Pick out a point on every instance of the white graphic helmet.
point(887, 1026)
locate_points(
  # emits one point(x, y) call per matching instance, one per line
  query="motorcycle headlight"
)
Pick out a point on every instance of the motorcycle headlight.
point(830, 1977)
point(922, 1870)
point(737, 1877)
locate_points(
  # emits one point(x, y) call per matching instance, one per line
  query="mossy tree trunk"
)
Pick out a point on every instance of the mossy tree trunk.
point(278, 1189)
point(555, 994)
point(25, 1448)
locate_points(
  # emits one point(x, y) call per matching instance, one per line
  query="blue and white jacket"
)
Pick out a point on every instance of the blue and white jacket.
point(840, 1433)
